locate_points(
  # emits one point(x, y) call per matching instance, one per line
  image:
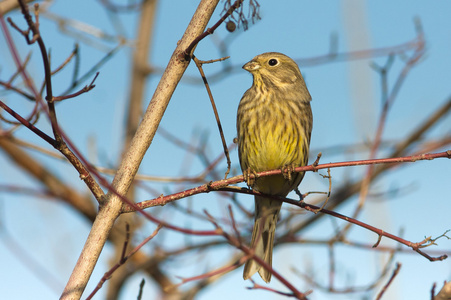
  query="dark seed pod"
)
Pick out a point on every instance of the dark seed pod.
point(231, 26)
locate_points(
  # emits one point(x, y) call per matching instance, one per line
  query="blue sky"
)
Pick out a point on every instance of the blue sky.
point(346, 105)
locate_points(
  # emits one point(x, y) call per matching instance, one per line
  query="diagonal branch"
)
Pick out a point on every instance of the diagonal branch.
point(134, 155)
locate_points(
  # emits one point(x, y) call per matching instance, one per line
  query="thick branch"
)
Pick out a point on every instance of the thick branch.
point(133, 157)
point(9, 5)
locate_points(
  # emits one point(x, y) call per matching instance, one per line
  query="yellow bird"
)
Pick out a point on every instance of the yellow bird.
point(274, 125)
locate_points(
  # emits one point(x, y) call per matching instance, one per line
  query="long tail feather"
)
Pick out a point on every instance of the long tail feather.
point(266, 215)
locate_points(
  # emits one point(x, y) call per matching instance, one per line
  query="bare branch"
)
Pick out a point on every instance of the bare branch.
point(395, 272)
point(132, 159)
point(223, 185)
point(218, 122)
point(123, 259)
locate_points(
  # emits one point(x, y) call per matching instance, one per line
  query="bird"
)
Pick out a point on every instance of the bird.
point(274, 125)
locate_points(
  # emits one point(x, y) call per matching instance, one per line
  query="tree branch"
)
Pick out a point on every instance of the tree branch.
point(224, 185)
point(133, 157)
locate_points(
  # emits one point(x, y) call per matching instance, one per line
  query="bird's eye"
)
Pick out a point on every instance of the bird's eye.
point(272, 62)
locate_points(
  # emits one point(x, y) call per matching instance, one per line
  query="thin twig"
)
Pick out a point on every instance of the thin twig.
point(218, 121)
point(67, 60)
point(141, 288)
point(250, 254)
point(9, 86)
point(85, 89)
point(330, 189)
point(27, 124)
point(256, 286)
point(223, 185)
point(33, 27)
point(393, 275)
point(122, 260)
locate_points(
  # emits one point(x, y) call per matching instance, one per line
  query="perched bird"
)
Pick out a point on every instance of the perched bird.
point(274, 124)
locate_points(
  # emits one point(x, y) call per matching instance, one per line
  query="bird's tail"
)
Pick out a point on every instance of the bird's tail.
point(266, 215)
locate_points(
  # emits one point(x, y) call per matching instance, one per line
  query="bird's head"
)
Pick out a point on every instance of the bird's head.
point(273, 70)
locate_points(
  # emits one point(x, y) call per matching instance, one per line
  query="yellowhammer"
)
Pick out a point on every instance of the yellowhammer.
point(274, 124)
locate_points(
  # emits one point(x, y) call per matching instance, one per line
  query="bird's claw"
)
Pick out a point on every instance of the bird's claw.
point(250, 180)
point(287, 171)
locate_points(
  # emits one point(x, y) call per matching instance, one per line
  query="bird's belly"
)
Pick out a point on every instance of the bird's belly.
point(275, 149)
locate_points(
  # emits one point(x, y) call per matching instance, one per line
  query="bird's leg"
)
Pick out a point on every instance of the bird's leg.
point(287, 170)
point(250, 180)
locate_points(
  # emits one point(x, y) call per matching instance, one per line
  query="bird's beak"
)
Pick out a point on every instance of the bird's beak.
point(251, 66)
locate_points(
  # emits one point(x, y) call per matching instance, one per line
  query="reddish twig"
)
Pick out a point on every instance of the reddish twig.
point(223, 185)
point(80, 164)
point(73, 54)
point(123, 259)
point(256, 286)
point(250, 255)
point(345, 242)
point(33, 27)
point(85, 89)
point(232, 218)
point(219, 271)
point(11, 87)
point(27, 124)
point(393, 275)
point(415, 246)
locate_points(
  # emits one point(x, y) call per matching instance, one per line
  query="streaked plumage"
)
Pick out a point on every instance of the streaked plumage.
point(274, 123)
